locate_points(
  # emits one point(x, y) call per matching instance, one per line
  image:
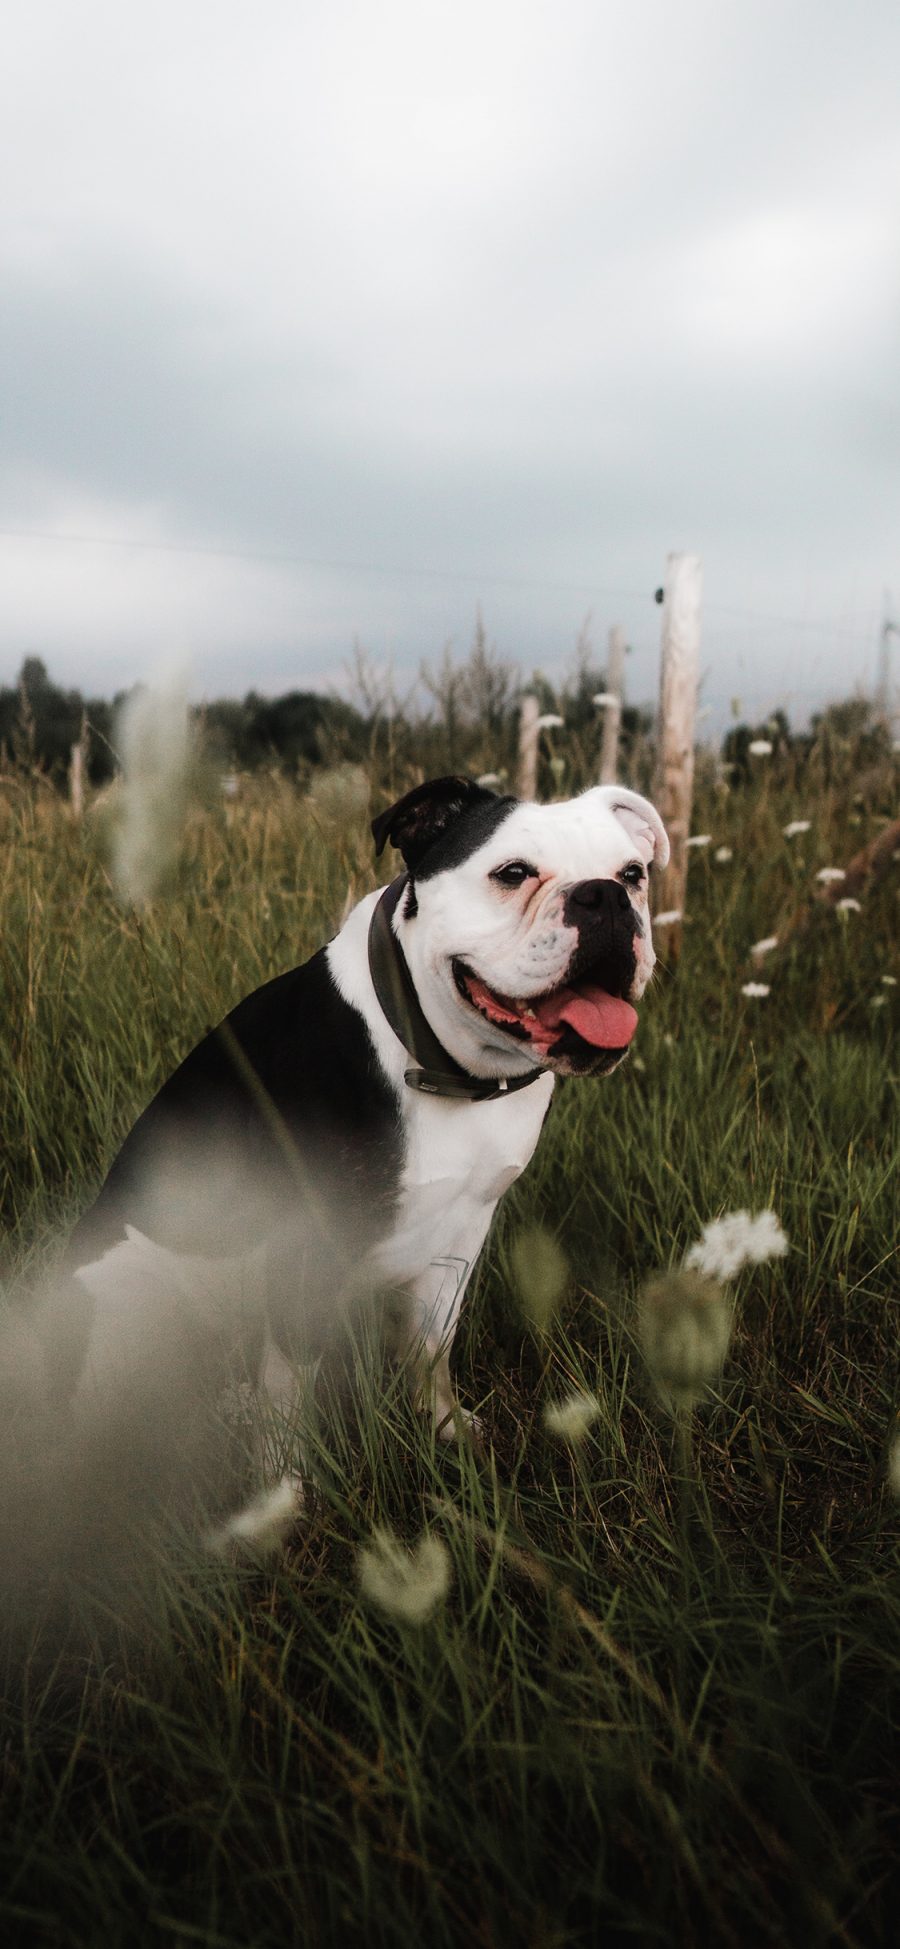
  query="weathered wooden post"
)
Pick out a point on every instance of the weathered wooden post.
point(529, 712)
point(612, 711)
point(678, 681)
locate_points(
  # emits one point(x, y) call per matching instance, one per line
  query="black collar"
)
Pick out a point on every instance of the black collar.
point(438, 1073)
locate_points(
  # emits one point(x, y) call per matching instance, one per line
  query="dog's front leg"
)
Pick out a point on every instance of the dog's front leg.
point(286, 1390)
point(425, 1323)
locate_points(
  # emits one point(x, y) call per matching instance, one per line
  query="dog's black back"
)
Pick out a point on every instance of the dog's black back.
point(281, 1128)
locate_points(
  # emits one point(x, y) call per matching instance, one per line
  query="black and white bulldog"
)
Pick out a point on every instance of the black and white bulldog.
point(350, 1126)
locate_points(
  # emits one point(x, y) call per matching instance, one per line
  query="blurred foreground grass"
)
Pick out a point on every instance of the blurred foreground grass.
point(649, 1708)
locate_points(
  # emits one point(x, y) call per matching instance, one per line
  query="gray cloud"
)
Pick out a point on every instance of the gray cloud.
point(503, 312)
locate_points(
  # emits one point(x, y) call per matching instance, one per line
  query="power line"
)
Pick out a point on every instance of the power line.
point(485, 578)
point(343, 566)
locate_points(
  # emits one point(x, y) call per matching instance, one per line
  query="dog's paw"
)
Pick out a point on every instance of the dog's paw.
point(461, 1425)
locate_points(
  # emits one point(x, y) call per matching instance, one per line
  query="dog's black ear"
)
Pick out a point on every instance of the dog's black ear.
point(425, 814)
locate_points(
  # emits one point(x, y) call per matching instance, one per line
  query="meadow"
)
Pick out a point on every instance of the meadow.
point(659, 1700)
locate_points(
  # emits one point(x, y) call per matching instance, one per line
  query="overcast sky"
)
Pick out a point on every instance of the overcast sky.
point(331, 320)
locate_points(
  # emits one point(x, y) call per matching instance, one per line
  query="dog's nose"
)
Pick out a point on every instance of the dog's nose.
point(596, 895)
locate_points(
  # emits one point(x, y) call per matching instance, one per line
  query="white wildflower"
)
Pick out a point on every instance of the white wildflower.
point(878, 1001)
point(684, 1325)
point(699, 839)
point(760, 748)
point(571, 1418)
point(408, 1585)
point(796, 826)
point(739, 1239)
point(668, 919)
point(760, 948)
point(153, 736)
point(848, 906)
point(550, 721)
point(604, 699)
point(830, 875)
point(262, 1524)
point(890, 981)
point(757, 990)
point(722, 854)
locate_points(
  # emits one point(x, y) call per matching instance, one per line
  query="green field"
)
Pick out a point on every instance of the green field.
point(660, 1702)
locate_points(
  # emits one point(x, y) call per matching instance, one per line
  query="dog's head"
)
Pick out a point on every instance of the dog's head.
point(527, 927)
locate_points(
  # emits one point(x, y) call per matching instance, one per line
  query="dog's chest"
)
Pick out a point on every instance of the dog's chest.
point(459, 1158)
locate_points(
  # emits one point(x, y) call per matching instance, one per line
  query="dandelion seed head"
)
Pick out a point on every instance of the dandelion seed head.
point(829, 875)
point(262, 1524)
point(890, 981)
point(540, 1272)
point(760, 748)
point(339, 792)
point(756, 990)
point(796, 826)
point(604, 699)
point(878, 1001)
point(684, 1325)
point(571, 1417)
point(153, 736)
point(668, 919)
point(740, 1238)
point(550, 721)
point(760, 948)
point(722, 854)
point(409, 1585)
point(699, 839)
point(848, 906)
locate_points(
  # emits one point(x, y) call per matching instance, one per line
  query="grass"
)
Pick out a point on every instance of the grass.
point(661, 1701)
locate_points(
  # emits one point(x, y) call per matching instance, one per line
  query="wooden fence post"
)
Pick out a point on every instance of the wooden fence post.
point(529, 712)
point(612, 712)
point(678, 682)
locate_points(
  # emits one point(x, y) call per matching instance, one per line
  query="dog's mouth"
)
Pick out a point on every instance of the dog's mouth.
point(588, 1009)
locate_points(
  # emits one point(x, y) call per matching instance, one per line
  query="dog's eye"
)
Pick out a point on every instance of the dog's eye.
point(515, 874)
point(632, 875)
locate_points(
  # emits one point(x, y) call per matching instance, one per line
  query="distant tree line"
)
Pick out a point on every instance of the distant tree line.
point(40, 722)
point(460, 714)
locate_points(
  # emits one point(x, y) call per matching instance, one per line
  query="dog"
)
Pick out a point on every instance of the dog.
point(351, 1125)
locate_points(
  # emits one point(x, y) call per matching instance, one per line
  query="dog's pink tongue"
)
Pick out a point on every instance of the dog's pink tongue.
point(601, 1019)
